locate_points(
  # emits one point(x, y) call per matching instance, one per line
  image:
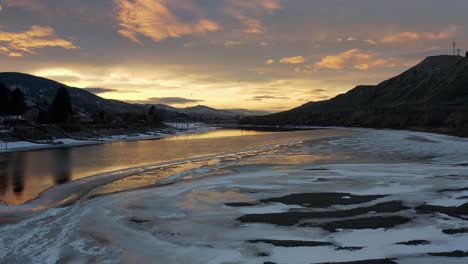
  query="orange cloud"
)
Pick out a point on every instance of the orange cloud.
point(248, 13)
point(156, 20)
point(356, 59)
point(229, 44)
point(270, 61)
point(416, 36)
point(15, 44)
point(1, 8)
point(293, 60)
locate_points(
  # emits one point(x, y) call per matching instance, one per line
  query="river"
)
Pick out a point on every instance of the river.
point(24, 175)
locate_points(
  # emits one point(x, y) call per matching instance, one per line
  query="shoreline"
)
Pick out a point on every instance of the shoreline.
point(437, 131)
point(22, 146)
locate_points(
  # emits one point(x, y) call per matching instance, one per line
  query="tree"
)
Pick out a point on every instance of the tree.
point(18, 102)
point(152, 110)
point(5, 103)
point(154, 116)
point(61, 109)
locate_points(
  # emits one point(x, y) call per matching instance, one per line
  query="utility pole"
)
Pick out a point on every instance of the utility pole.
point(454, 48)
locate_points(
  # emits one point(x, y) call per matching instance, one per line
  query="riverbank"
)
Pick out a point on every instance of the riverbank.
point(16, 146)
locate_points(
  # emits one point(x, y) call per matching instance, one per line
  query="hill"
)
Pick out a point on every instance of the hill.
point(41, 90)
point(434, 93)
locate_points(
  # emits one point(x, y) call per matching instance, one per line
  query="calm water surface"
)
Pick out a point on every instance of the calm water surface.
point(24, 175)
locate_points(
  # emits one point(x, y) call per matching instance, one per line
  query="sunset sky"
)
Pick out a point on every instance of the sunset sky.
point(257, 54)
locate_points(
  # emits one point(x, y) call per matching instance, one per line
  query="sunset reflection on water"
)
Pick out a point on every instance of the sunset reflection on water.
point(24, 175)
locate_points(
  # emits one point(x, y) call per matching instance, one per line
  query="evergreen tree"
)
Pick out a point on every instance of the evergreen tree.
point(61, 108)
point(152, 110)
point(5, 103)
point(154, 116)
point(18, 102)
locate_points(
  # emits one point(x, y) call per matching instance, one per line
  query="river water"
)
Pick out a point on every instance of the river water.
point(25, 175)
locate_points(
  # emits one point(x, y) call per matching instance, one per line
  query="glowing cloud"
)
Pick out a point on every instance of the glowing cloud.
point(294, 60)
point(402, 37)
point(268, 97)
point(168, 101)
point(356, 59)
point(270, 61)
point(229, 44)
point(156, 20)
point(15, 44)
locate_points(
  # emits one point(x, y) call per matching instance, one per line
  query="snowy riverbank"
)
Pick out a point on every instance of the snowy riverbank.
point(6, 147)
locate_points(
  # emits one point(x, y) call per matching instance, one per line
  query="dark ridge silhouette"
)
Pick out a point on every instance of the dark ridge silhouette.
point(40, 90)
point(433, 94)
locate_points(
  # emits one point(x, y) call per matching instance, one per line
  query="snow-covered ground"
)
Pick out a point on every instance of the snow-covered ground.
point(389, 196)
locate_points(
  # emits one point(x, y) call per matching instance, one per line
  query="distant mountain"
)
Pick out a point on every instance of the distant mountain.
point(41, 90)
point(208, 112)
point(201, 110)
point(245, 112)
point(434, 93)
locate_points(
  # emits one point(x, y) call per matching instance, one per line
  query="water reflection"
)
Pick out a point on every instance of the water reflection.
point(222, 133)
point(24, 175)
point(3, 175)
point(18, 173)
point(62, 173)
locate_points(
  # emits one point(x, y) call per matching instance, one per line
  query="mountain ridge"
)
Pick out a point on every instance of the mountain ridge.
point(429, 94)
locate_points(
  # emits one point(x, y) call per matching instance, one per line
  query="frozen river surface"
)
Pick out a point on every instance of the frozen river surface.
point(321, 196)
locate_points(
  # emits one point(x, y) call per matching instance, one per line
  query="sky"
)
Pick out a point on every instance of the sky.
point(269, 55)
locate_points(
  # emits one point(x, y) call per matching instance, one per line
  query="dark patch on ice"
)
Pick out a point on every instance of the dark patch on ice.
point(263, 254)
point(324, 180)
point(269, 262)
point(240, 204)
point(322, 200)
point(455, 231)
point(414, 243)
point(462, 198)
point(370, 261)
point(420, 139)
point(139, 220)
point(454, 190)
point(291, 243)
point(463, 164)
point(349, 248)
point(293, 218)
point(366, 223)
point(453, 254)
point(448, 210)
point(317, 169)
